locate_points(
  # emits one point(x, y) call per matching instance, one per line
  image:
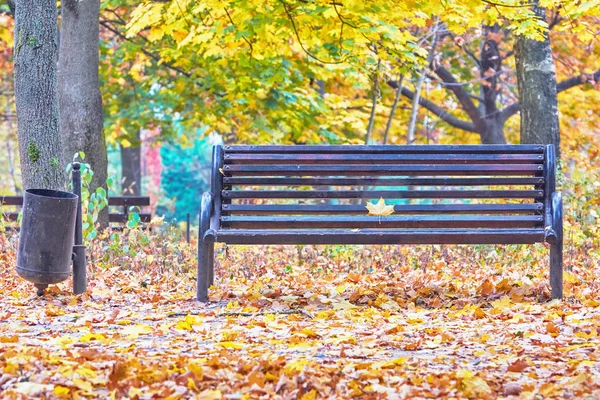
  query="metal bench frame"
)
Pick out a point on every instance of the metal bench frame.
point(295, 165)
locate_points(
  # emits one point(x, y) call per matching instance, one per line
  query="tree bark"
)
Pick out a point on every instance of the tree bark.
point(131, 166)
point(536, 80)
point(36, 95)
point(493, 132)
point(82, 120)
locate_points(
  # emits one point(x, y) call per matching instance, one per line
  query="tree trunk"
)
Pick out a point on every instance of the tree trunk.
point(388, 126)
point(82, 120)
point(412, 121)
point(536, 80)
point(375, 97)
point(494, 132)
point(131, 165)
point(35, 56)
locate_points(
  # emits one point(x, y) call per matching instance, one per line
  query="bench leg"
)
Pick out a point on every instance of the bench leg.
point(205, 250)
point(205, 265)
point(556, 248)
point(211, 264)
point(556, 269)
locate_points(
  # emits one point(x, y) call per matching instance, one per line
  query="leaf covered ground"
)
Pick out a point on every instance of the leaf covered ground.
point(305, 323)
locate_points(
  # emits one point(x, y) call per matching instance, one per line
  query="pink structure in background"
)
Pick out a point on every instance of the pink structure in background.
point(151, 165)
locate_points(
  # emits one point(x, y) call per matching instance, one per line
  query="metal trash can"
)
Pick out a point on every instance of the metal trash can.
point(46, 237)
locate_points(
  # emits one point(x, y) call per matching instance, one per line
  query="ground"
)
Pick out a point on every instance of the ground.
point(304, 322)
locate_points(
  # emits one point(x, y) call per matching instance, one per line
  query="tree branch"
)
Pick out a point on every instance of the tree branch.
point(509, 111)
point(300, 42)
point(515, 107)
point(153, 56)
point(576, 81)
point(437, 110)
point(463, 97)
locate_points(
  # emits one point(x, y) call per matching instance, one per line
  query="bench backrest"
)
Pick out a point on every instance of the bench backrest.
point(314, 187)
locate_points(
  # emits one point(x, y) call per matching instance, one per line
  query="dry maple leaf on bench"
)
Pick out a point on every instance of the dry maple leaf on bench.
point(380, 209)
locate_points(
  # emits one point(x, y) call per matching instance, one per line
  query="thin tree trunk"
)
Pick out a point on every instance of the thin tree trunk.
point(388, 126)
point(536, 80)
point(82, 120)
point(131, 167)
point(36, 95)
point(412, 124)
point(374, 107)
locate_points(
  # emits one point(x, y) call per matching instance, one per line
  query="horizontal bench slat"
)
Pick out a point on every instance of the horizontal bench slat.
point(349, 159)
point(386, 194)
point(387, 149)
point(112, 217)
point(384, 222)
point(260, 181)
point(382, 170)
point(139, 201)
point(296, 209)
point(380, 236)
point(11, 216)
point(11, 200)
point(123, 218)
point(112, 201)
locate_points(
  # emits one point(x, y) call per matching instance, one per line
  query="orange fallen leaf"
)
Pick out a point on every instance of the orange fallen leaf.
point(486, 288)
point(9, 339)
point(518, 366)
point(551, 327)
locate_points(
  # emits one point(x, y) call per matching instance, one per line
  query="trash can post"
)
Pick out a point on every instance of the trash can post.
point(79, 261)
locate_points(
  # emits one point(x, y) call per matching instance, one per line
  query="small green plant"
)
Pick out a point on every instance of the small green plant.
point(133, 217)
point(91, 203)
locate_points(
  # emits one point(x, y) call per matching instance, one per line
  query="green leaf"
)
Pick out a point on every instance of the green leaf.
point(101, 192)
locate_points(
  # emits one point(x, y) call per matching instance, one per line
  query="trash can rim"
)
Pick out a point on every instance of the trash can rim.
point(56, 194)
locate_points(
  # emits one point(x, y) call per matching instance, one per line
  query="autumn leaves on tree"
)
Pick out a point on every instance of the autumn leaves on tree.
point(276, 52)
point(325, 72)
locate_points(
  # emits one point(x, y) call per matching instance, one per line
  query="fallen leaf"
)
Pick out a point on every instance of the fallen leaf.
point(32, 388)
point(134, 331)
point(511, 389)
point(473, 386)
point(9, 339)
point(518, 366)
point(552, 328)
point(380, 208)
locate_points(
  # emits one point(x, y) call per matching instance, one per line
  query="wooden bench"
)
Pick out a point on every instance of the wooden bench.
point(125, 203)
point(118, 218)
point(487, 194)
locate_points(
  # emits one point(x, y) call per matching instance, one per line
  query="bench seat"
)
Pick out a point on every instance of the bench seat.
point(381, 236)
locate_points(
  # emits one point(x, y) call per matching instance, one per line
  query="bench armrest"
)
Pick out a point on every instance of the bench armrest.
point(206, 211)
point(554, 226)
